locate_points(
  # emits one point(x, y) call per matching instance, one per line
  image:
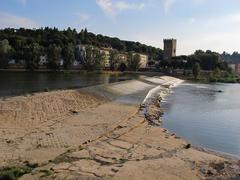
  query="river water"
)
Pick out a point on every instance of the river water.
point(204, 116)
point(16, 83)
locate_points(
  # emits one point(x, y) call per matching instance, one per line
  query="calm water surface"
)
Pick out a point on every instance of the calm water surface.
point(205, 117)
point(15, 83)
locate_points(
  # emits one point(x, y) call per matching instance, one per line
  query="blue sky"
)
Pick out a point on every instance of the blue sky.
point(196, 24)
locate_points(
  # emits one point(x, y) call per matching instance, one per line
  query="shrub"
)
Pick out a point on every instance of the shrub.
point(13, 173)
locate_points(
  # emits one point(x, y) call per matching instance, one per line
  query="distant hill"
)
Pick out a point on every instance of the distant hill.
point(18, 38)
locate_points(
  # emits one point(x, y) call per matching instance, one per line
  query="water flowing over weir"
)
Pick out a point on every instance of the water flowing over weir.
point(141, 91)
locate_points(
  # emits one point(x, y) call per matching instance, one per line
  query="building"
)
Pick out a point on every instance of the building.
point(143, 60)
point(123, 57)
point(232, 66)
point(76, 63)
point(13, 64)
point(107, 53)
point(43, 61)
point(80, 52)
point(235, 68)
point(170, 47)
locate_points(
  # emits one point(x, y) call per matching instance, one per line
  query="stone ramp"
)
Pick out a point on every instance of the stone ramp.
point(135, 150)
point(133, 91)
point(67, 133)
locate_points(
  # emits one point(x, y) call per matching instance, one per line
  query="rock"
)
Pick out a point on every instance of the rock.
point(38, 146)
point(114, 169)
point(104, 160)
point(211, 172)
point(31, 164)
point(218, 166)
point(165, 130)
point(74, 112)
point(9, 141)
point(188, 146)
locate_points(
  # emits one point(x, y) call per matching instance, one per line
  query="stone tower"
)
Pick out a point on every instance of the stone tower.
point(170, 46)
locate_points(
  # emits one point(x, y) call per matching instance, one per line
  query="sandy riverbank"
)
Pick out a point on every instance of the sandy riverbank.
point(96, 133)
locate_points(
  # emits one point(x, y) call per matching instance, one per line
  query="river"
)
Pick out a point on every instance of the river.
point(204, 116)
point(16, 83)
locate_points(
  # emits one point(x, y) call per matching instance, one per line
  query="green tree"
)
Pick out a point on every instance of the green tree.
point(32, 55)
point(68, 55)
point(94, 59)
point(217, 73)
point(196, 70)
point(134, 62)
point(5, 53)
point(114, 60)
point(54, 56)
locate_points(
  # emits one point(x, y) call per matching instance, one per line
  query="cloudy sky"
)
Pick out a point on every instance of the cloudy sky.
point(196, 24)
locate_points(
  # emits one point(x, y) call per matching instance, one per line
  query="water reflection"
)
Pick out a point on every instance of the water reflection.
point(14, 83)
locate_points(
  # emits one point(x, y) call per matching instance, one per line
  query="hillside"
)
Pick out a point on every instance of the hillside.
point(19, 38)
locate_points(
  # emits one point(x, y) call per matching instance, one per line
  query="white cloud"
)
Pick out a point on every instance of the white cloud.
point(82, 17)
point(112, 7)
point(106, 6)
point(122, 5)
point(9, 20)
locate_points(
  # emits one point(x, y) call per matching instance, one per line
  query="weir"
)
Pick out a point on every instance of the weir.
point(135, 91)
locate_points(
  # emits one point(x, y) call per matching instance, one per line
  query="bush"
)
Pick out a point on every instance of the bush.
point(196, 70)
point(13, 173)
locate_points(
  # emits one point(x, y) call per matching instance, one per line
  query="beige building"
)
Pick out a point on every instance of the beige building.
point(170, 47)
point(235, 68)
point(123, 57)
point(107, 53)
point(143, 60)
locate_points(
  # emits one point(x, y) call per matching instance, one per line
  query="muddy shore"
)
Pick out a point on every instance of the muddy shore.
point(95, 133)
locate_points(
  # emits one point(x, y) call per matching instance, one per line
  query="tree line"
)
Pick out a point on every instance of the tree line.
point(207, 60)
point(29, 44)
point(232, 58)
point(202, 65)
point(91, 58)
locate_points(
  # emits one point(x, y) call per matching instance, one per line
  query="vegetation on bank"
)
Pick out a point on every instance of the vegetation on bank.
point(201, 66)
point(30, 44)
point(13, 173)
point(212, 76)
